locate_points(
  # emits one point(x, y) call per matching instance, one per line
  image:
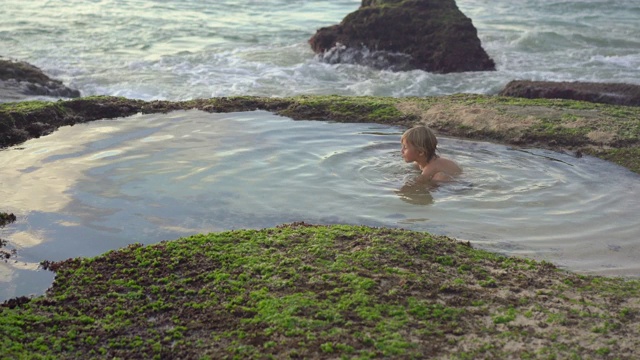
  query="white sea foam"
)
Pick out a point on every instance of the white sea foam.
point(631, 62)
point(181, 50)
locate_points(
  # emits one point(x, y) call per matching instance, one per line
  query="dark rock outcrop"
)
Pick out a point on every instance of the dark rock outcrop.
point(18, 79)
point(607, 93)
point(431, 35)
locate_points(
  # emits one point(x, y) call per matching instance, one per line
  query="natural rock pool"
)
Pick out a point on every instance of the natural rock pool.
point(89, 188)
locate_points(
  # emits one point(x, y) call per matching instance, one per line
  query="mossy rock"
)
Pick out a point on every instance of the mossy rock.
point(305, 291)
point(24, 78)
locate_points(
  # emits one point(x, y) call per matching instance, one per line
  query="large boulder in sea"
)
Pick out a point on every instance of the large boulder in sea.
point(431, 35)
point(607, 93)
point(19, 80)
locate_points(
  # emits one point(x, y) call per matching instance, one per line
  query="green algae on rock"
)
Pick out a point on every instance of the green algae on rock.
point(306, 291)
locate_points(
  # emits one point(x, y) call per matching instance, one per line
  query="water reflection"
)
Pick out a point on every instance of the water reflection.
point(416, 192)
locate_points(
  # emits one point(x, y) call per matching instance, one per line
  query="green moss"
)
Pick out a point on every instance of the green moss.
point(343, 291)
point(25, 107)
point(627, 157)
point(556, 129)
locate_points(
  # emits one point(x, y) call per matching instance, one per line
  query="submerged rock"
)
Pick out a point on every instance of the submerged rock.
point(430, 35)
point(607, 93)
point(19, 79)
point(6, 218)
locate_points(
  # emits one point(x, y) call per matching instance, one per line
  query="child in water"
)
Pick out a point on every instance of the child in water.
point(419, 146)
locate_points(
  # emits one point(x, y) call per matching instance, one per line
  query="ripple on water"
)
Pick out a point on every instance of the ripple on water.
point(157, 138)
point(105, 154)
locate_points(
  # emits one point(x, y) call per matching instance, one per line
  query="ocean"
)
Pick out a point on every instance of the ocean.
point(187, 49)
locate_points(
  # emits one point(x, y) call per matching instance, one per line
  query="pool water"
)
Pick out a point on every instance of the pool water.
point(89, 188)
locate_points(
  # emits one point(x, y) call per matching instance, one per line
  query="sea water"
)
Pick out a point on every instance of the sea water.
point(93, 187)
point(186, 49)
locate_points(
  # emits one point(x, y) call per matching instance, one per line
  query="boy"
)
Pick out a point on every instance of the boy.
point(419, 146)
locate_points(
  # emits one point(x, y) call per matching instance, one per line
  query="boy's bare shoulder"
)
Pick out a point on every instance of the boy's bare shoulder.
point(442, 170)
point(448, 166)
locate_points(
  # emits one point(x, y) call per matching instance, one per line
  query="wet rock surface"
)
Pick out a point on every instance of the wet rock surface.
point(606, 93)
point(430, 35)
point(5, 219)
point(19, 80)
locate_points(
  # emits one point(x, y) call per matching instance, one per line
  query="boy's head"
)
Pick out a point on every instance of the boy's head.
point(423, 139)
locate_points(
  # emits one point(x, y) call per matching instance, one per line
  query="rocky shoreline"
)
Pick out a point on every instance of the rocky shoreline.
point(306, 291)
point(302, 291)
point(524, 113)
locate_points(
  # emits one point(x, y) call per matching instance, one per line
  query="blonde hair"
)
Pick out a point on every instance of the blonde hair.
point(422, 138)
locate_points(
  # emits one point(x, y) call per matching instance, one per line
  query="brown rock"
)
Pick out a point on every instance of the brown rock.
point(19, 78)
point(431, 35)
point(607, 93)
